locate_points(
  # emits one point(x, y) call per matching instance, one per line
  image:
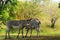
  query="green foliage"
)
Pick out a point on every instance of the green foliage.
point(6, 10)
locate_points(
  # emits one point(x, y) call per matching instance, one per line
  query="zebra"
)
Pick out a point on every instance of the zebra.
point(13, 24)
point(34, 23)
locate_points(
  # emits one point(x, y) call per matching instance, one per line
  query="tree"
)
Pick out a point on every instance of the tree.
point(59, 5)
point(53, 21)
point(52, 11)
point(5, 11)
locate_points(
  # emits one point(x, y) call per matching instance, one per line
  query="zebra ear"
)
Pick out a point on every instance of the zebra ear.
point(37, 20)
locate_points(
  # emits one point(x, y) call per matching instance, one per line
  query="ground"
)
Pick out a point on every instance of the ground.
point(46, 33)
point(13, 37)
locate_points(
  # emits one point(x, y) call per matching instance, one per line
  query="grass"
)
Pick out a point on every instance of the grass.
point(47, 32)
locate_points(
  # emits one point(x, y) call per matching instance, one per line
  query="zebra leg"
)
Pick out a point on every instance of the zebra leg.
point(18, 33)
point(22, 34)
point(37, 32)
point(6, 35)
point(30, 32)
point(7, 32)
point(26, 32)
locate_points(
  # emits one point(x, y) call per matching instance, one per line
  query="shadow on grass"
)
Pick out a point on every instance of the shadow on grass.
point(32, 38)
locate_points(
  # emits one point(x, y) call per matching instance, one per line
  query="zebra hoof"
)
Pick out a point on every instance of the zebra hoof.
point(23, 37)
point(17, 37)
point(5, 38)
point(9, 38)
point(30, 36)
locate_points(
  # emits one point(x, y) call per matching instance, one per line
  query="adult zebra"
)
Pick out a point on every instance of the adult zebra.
point(34, 23)
point(20, 24)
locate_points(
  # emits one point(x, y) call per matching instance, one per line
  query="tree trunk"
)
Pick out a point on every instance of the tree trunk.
point(53, 21)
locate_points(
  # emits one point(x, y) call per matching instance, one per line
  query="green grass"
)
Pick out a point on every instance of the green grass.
point(42, 33)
